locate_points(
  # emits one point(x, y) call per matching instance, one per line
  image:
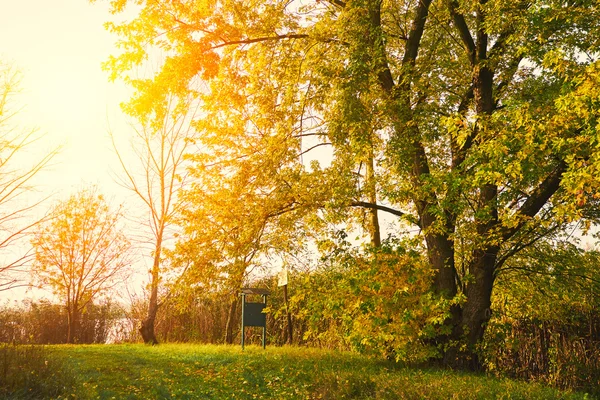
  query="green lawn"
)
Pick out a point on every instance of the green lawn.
point(179, 371)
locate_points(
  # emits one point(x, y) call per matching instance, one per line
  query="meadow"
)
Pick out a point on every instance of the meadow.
point(188, 371)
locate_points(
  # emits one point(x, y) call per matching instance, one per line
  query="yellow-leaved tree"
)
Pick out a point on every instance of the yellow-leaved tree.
point(80, 252)
point(161, 137)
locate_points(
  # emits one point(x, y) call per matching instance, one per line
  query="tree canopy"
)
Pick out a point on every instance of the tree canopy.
point(474, 122)
point(80, 253)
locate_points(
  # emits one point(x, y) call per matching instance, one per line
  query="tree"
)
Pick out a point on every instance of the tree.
point(481, 115)
point(233, 222)
point(159, 144)
point(17, 199)
point(80, 253)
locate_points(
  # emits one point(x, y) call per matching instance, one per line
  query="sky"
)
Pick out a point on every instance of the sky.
point(59, 46)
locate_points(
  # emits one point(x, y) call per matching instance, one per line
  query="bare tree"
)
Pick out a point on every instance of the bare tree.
point(17, 199)
point(80, 252)
point(156, 176)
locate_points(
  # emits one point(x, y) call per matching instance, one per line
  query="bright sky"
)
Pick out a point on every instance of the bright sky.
point(59, 46)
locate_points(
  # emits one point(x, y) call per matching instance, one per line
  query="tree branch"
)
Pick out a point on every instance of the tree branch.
point(269, 38)
point(538, 198)
point(416, 33)
point(379, 207)
point(521, 245)
point(459, 152)
point(314, 147)
point(463, 30)
point(338, 3)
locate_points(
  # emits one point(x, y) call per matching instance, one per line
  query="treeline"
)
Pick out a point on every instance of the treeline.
point(331, 310)
point(328, 310)
point(44, 322)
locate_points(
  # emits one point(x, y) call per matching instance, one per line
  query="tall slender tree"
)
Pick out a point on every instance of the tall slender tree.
point(160, 141)
point(239, 209)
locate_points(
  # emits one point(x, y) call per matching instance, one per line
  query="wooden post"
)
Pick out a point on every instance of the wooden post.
point(282, 281)
point(243, 326)
point(288, 315)
point(264, 335)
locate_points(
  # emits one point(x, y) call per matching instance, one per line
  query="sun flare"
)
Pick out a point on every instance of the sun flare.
point(59, 47)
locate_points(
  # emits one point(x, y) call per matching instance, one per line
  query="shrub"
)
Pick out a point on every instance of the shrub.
point(375, 301)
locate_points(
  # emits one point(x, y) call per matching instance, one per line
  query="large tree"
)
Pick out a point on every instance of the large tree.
point(476, 120)
point(17, 171)
point(80, 253)
point(238, 212)
point(156, 176)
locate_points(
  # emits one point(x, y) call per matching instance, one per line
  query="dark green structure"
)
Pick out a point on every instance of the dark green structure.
point(252, 313)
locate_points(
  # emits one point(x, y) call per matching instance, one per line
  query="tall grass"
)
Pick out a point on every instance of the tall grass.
point(553, 352)
point(31, 372)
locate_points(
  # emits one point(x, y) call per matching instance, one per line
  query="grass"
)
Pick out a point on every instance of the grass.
point(28, 372)
point(181, 371)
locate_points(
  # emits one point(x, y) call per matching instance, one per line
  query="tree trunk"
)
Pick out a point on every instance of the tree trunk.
point(440, 252)
point(475, 313)
point(230, 321)
point(373, 224)
point(290, 328)
point(147, 325)
point(72, 325)
point(147, 329)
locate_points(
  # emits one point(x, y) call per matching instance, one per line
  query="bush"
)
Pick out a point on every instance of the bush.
point(375, 301)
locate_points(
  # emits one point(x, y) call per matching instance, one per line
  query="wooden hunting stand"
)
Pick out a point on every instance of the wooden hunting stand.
point(252, 313)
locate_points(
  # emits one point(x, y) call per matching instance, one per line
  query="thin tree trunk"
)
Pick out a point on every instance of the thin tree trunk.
point(72, 325)
point(373, 224)
point(147, 325)
point(69, 326)
point(290, 328)
point(230, 321)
